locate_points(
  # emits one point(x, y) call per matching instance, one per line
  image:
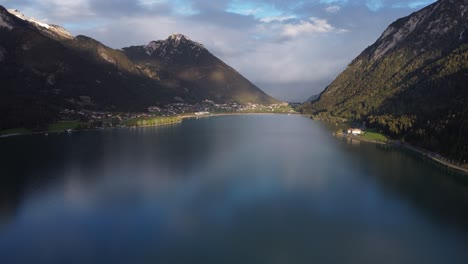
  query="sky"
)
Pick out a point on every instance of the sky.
point(289, 49)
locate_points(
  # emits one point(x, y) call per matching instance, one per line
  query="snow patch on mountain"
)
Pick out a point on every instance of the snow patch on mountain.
point(54, 29)
point(60, 31)
point(17, 13)
point(40, 24)
point(20, 15)
point(177, 39)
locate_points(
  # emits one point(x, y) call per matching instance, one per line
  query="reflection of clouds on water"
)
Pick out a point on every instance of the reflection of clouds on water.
point(225, 189)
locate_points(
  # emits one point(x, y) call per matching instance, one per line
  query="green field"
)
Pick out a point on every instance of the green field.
point(61, 126)
point(374, 135)
point(152, 121)
point(20, 130)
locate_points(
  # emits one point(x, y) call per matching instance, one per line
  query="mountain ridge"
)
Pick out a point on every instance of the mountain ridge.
point(179, 58)
point(44, 69)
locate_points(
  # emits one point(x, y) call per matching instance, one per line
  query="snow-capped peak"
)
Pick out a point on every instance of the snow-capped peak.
point(20, 15)
point(176, 39)
point(174, 44)
point(52, 28)
point(17, 13)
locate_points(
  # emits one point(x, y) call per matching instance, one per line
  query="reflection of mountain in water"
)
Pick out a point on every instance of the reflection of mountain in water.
point(32, 164)
point(421, 182)
point(218, 190)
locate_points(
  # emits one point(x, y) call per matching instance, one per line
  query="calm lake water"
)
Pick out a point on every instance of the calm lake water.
point(229, 189)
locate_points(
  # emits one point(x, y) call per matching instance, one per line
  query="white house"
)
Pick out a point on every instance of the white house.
point(354, 131)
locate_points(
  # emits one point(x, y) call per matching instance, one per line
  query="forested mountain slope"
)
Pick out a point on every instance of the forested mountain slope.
point(412, 82)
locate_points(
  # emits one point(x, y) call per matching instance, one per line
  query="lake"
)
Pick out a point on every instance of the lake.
point(227, 189)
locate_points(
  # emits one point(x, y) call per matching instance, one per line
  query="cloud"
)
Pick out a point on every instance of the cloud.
point(374, 5)
point(313, 25)
point(333, 1)
point(277, 19)
point(283, 44)
point(301, 60)
point(65, 8)
point(149, 3)
point(257, 9)
point(333, 9)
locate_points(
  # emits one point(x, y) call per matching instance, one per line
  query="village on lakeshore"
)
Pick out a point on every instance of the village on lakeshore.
point(70, 119)
point(207, 107)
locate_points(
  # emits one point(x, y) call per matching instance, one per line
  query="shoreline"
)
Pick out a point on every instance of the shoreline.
point(234, 114)
point(182, 117)
point(341, 134)
point(434, 157)
point(83, 130)
point(437, 158)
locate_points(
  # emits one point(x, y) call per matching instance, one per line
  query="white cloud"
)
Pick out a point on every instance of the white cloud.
point(277, 19)
point(271, 44)
point(333, 9)
point(149, 3)
point(301, 59)
point(313, 25)
point(67, 8)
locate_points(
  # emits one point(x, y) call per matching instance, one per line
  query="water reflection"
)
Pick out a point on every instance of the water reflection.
point(228, 189)
point(424, 185)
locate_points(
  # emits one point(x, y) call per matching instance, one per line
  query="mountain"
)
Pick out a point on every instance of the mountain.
point(313, 98)
point(412, 82)
point(44, 69)
point(186, 65)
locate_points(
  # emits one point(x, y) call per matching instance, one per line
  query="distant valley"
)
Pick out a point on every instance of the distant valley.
point(411, 84)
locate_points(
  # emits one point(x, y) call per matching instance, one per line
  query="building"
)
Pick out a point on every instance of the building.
point(354, 131)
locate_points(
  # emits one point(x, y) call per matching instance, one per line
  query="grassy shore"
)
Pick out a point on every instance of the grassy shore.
point(136, 122)
point(15, 131)
point(372, 134)
point(374, 138)
point(65, 125)
point(152, 121)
